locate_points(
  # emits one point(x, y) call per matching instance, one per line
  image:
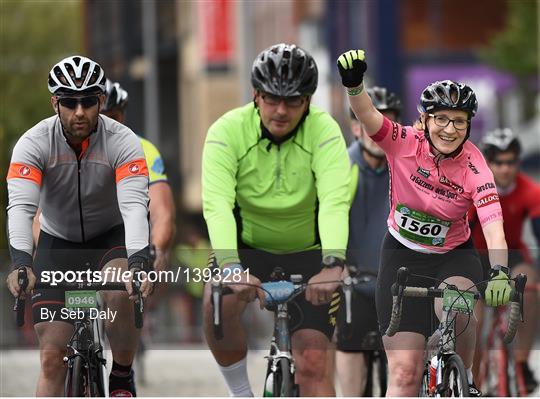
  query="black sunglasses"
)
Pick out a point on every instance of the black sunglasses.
point(73, 102)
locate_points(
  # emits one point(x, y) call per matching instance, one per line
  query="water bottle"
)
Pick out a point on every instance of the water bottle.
point(433, 373)
point(269, 385)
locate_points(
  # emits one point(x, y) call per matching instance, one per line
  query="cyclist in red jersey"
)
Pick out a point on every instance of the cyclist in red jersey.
point(519, 197)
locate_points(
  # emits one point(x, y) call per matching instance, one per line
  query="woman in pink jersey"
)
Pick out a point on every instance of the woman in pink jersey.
point(436, 174)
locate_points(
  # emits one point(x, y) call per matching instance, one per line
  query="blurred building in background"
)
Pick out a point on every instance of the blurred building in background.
point(185, 63)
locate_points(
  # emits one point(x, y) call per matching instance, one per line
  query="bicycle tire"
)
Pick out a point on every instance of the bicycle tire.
point(382, 369)
point(454, 382)
point(376, 375)
point(368, 390)
point(284, 380)
point(74, 386)
point(424, 387)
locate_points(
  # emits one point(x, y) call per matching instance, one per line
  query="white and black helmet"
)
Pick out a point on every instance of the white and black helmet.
point(76, 74)
point(117, 97)
point(500, 140)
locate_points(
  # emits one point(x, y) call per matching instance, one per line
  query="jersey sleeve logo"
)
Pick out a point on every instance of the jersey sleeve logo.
point(488, 199)
point(158, 166)
point(23, 171)
point(134, 168)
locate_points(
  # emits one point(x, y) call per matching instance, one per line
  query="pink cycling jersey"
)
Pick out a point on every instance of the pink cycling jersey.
point(429, 199)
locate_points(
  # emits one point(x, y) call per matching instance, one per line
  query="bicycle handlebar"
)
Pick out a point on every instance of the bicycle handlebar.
point(400, 290)
point(516, 308)
point(138, 305)
point(275, 292)
point(283, 291)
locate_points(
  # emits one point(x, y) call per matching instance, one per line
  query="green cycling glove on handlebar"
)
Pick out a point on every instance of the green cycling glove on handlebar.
point(498, 288)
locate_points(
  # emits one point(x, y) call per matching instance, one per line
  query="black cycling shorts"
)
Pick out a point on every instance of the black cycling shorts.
point(418, 314)
point(56, 254)
point(363, 332)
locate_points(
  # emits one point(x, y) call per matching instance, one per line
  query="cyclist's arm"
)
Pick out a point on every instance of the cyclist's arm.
point(162, 210)
point(23, 184)
point(219, 193)
point(162, 215)
point(366, 113)
point(36, 227)
point(496, 243)
point(533, 213)
point(488, 210)
point(332, 177)
point(132, 192)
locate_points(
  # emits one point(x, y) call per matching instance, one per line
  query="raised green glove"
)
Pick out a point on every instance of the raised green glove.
point(498, 288)
point(351, 66)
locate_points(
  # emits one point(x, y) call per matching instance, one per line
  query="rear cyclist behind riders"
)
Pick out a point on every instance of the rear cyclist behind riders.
point(162, 211)
point(367, 227)
point(88, 174)
point(435, 174)
point(520, 200)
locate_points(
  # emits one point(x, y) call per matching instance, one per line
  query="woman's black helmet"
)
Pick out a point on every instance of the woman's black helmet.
point(447, 94)
point(285, 70)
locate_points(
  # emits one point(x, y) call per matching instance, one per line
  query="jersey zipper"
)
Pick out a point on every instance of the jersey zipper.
point(278, 169)
point(79, 197)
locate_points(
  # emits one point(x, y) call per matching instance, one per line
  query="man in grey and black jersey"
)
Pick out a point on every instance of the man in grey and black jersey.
point(88, 175)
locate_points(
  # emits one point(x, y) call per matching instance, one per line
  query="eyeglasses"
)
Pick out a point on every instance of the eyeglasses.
point(293, 102)
point(443, 121)
point(509, 162)
point(73, 102)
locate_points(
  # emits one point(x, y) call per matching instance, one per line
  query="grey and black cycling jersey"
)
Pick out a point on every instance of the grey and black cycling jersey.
point(80, 197)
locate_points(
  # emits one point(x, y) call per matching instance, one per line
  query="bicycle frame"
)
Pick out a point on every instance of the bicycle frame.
point(446, 347)
point(506, 379)
point(279, 294)
point(86, 343)
point(446, 343)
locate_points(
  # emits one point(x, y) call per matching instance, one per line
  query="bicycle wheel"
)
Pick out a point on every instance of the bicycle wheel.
point(283, 379)
point(424, 387)
point(74, 385)
point(381, 371)
point(376, 375)
point(454, 383)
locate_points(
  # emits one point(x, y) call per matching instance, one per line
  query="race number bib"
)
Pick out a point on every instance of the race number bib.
point(81, 299)
point(420, 227)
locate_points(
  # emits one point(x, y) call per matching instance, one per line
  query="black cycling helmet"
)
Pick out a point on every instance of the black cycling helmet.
point(500, 140)
point(383, 99)
point(447, 94)
point(285, 70)
point(117, 97)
